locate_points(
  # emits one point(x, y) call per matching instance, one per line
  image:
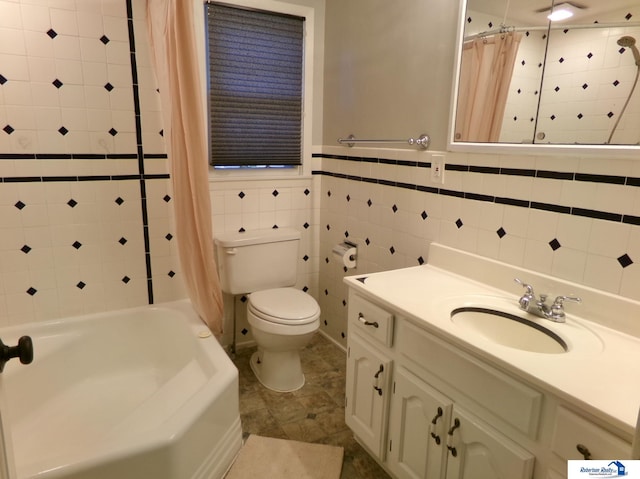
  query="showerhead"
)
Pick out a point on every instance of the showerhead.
point(630, 42)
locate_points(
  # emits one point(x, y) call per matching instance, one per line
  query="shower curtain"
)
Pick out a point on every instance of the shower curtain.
point(485, 76)
point(173, 48)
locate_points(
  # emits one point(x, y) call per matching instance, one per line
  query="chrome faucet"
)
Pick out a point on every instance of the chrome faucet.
point(538, 306)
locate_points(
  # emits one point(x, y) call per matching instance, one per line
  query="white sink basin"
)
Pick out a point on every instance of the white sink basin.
point(509, 330)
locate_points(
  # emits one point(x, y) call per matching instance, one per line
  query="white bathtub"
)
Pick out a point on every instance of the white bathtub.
point(132, 394)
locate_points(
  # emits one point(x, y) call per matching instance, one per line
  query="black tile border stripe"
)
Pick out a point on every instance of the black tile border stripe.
point(62, 179)
point(574, 211)
point(80, 156)
point(494, 170)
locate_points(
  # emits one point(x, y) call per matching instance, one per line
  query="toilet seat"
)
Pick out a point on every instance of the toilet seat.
point(286, 306)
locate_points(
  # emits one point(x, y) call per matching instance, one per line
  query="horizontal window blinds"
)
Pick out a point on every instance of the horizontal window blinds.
point(255, 86)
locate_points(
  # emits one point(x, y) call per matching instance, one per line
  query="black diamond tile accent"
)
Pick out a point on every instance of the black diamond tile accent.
point(561, 60)
point(119, 201)
point(625, 260)
point(553, 117)
point(326, 292)
point(122, 241)
point(244, 331)
point(113, 132)
point(169, 237)
point(580, 116)
point(394, 208)
point(31, 291)
point(25, 249)
point(501, 232)
point(241, 230)
point(166, 198)
point(63, 131)
point(3, 80)
point(328, 227)
point(274, 227)
point(557, 89)
point(171, 274)
point(590, 55)
point(305, 289)
point(420, 260)
point(57, 83)
point(329, 193)
point(610, 114)
point(346, 234)
point(81, 285)
point(72, 203)
point(243, 299)
point(367, 241)
point(306, 225)
point(459, 223)
point(104, 39)
point(326, 260)
point(343, 335)
point(555, 244)
point(108, 86)
point(392, 250)
point(8, 129)
point(306, 192)
point(275, 193)
point(585, 86)
point(305, 257)
point(523, 63)
point(52, 33)
point(369, 203)
point(628, 16)
point(126, 279)
point(77, 244)
point(241, 194)
point(161, 133)
point(622, 50)
point(424, 215)
point(616, 83)
point(19, 205)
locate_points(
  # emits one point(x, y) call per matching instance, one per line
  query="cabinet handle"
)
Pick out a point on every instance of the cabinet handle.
point(456, 425)
point(376, 383)
point(432, 427)
point(365, 322)
point(584, 450)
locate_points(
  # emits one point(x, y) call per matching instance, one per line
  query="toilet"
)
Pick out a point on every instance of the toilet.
point(263, 265)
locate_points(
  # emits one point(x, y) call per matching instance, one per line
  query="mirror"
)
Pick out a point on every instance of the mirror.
point(523, 79)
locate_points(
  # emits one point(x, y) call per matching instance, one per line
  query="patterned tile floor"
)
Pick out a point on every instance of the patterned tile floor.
point(314, 413)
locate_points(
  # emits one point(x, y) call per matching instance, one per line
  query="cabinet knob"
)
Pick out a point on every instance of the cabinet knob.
point(434, 421)
point(376, 377)
point(584, 450)
point(452, 449)
point(362, 319)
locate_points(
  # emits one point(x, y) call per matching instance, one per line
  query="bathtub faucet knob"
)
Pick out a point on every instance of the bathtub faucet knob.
point(24, 351)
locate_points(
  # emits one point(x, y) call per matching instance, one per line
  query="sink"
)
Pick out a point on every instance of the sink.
point(509, 330)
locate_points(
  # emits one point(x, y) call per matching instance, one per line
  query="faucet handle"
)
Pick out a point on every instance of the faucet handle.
point(527, 287)
point(559, 301)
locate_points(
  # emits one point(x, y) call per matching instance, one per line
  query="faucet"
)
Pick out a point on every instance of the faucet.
point(538, 306)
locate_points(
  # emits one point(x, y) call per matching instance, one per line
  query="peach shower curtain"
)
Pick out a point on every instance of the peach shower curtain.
point(173, 47)
point(485, 76)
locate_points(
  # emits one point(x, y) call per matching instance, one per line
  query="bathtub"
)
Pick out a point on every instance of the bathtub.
point(132, 394)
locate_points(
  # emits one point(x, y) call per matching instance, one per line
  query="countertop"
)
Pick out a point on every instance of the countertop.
point(600, 372)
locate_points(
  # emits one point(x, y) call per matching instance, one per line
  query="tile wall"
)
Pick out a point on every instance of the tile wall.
point(577, 219)
point(85, 201)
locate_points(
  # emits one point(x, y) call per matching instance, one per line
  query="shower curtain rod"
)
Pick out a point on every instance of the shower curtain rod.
point(507, 29)
point(422, 141)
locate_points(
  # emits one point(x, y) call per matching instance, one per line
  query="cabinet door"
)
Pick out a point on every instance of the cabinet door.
point(368, 372)
point(418, 425)
point(476, 451)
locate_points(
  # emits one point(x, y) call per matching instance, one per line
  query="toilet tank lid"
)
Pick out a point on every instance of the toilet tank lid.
point(245, 238)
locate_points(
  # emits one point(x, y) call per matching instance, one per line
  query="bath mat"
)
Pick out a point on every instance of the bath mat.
point(270, 458)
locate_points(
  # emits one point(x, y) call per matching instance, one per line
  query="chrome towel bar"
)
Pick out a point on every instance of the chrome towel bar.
point(422, 141)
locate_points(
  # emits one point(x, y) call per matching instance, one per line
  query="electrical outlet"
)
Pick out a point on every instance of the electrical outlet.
point(437, 169)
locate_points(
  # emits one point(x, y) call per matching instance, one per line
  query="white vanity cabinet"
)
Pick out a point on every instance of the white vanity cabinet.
point(426, 408)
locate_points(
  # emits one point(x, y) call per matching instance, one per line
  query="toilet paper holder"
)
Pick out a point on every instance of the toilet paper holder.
point(347, 253)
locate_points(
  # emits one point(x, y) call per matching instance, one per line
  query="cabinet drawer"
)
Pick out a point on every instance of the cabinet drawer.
point(370, 319)
point(501, 395)
point(573, 432)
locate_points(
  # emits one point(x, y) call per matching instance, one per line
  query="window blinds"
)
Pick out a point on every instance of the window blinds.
point(255, 86)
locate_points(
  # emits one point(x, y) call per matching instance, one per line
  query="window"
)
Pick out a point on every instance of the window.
point(255, 87)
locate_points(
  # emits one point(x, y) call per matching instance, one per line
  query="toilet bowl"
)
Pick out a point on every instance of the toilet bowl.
point(283, 321)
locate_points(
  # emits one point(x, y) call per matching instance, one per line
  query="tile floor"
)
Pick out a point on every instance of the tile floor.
point(314, 413)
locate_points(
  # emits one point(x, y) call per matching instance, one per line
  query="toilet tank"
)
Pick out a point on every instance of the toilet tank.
point(256, 260)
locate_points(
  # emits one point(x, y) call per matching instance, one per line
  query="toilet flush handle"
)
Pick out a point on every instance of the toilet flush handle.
point(231, 251)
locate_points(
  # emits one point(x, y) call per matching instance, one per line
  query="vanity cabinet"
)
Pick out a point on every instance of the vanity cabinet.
point(425, 408)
